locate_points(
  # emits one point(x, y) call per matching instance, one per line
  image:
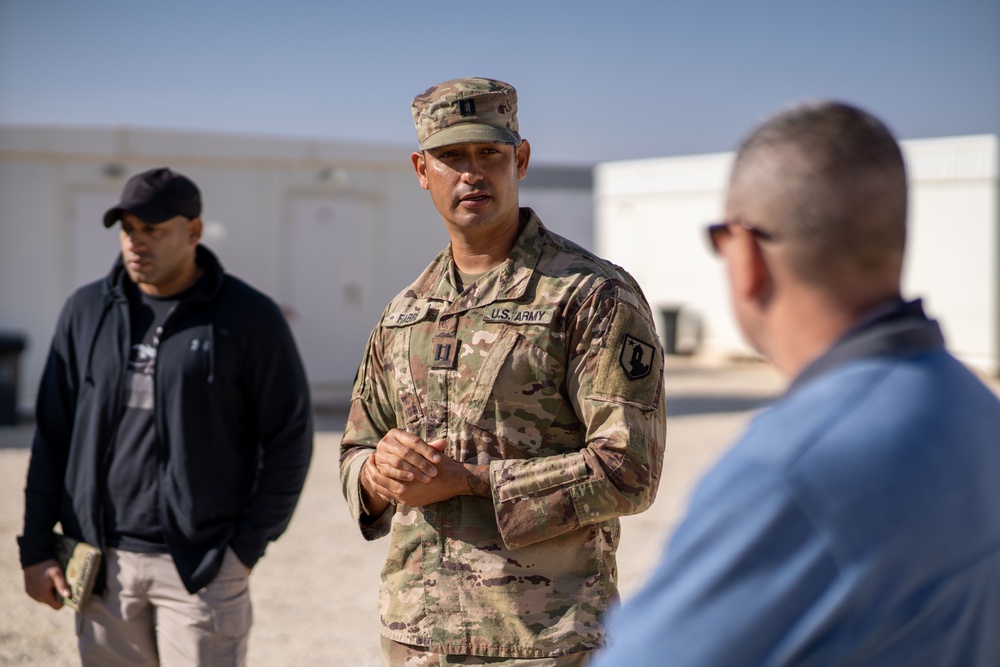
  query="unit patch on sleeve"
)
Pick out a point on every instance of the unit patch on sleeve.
point(636, 357)
point(630, 362)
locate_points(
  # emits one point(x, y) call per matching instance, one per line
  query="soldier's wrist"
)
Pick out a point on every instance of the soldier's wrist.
point(477, 481)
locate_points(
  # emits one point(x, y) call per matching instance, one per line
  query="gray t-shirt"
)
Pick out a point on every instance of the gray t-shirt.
point(132, 493)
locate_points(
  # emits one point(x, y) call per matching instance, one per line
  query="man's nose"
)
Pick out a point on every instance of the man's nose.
point(472, 171)
point(135, 241)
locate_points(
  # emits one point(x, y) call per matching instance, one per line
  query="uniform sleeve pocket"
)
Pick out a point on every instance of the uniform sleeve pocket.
point(515, 479)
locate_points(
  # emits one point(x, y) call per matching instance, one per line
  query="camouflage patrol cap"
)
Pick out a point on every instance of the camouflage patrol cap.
point(463, 110)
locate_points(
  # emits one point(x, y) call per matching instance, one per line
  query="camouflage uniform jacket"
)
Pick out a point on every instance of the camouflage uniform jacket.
point(547, 369)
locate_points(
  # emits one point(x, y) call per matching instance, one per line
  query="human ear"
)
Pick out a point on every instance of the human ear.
point(749, 268)
point(420, 166)
point(522, 152)
point(194, 231)
point(761, 274)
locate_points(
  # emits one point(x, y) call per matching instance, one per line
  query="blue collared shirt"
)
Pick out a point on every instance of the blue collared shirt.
point(857, 521)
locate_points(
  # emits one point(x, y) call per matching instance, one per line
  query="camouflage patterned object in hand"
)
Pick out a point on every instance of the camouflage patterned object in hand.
point(80, 563)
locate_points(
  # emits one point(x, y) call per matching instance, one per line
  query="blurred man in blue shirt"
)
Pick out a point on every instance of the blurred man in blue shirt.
point(857, 521)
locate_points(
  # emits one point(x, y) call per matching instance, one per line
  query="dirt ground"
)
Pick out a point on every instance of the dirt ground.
point(315, 591)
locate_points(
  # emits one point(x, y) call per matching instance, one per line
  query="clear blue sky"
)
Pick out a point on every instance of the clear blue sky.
point(597, 81)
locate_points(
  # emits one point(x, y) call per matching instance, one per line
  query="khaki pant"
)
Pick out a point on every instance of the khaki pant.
point(395, 654)
point(147, 617)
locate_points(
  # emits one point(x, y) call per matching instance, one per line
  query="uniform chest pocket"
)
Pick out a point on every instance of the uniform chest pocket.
point(516, 394)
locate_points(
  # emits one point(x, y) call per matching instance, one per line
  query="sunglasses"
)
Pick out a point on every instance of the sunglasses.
point(717, 230)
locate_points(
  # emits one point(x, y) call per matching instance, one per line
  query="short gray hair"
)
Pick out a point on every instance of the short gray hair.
point(837, 175)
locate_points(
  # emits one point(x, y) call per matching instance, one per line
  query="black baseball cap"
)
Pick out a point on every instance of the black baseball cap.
point(157, 195)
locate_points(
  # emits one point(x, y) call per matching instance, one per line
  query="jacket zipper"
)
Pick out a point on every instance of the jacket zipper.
point(109, 446)
point(158, 336)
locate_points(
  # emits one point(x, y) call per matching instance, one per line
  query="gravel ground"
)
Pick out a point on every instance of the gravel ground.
point(314, 592)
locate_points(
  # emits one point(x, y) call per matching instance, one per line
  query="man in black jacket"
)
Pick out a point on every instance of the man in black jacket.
point(174, 433)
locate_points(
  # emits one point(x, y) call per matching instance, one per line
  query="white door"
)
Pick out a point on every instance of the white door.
point(95, 247)
point(331, 272)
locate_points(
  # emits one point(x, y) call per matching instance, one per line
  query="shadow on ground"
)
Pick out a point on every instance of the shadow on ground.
point(705, 404)
point(17, 436)
point(333, 418)
point(329, 418)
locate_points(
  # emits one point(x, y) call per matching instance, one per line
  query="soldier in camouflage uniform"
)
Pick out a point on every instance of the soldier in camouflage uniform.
point(508, 410)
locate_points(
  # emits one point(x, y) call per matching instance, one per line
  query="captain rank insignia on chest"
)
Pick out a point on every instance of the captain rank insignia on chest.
point(444, 352)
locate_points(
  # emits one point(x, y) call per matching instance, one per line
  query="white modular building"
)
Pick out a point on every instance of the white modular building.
point(331, 230)
point(650, 217)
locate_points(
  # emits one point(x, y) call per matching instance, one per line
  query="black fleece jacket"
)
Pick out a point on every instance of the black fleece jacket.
point(233, 422)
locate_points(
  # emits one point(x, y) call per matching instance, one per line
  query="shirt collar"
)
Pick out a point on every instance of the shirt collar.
point(894, 328)
point(507, 282)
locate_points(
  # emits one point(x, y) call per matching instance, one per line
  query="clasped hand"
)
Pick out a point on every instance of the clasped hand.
point(406, 470)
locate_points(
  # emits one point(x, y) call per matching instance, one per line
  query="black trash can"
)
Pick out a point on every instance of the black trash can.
point(11, 346)
point(680, 330)
point(669, 318)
